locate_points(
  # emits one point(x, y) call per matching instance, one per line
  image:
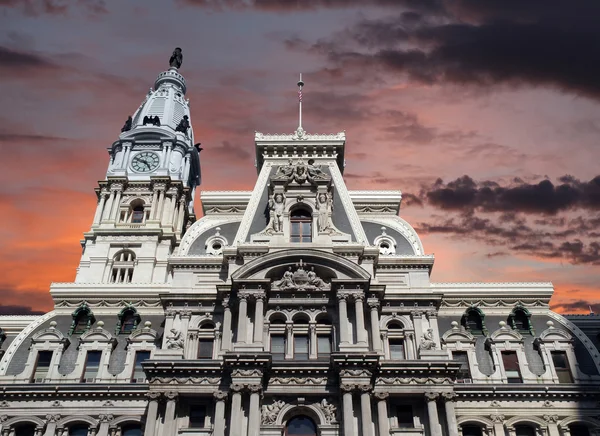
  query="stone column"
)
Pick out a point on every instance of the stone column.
point(289, 341)
point(242, 317)
point(235, 425)
point(114, 214)
point(39, 431)
point(254, 414)
point(51, 421)
point(154, 205)
point(109, 204)
point(409, 344)
point(127, 153)
point(361, 332)
point(180, 214)
point(170, 422)
point(219, 425)
point(312, 328)
point(434, 420)
point(100, 207)
point(152, 414)
point(365, 409)
point(417, 320)
point(348, 410)
point(498, 421)
point(449, 398)
point(161, 202)
point(552, 421)
point(382, 413)
point(375, 331)
point(343, 315)
point(259, 317)
point(226, 346)
point(104, 425)
point(511, 431)
point(386, 345)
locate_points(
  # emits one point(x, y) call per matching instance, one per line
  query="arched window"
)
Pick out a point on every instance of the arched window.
point(206, 340)
point(122, 268)
point(83, 318)
point(395, 333)
point(137, 214)
point(519, 320)
point(78, 430)
point(301, 426)
point(524, 430)
point(25, 430)
point(131, 430)
point(300, 225)
point(129, 319)
point(472, 320)
point(471, 430)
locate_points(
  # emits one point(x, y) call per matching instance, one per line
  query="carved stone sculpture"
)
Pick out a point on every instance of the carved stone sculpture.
point(315, 171)
point(324, 206)
point(300, 173)
point(427, 342)
point(328, 410)
point(176, 58)
point(300, 280)
point(183, 125)
point(127, 126)
point(175, 340)
point(276, 207)
point(270, 412)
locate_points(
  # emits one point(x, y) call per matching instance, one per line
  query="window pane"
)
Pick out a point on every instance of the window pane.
point(295, 228)
point(301, 426)
point(323, 345)
point(197, 416)
point(511, 367)
point(579, 430)
point(78, 430)
point(404, 414)
point(462, 358)
point(25, 430)
point(205, 348)
point(42, 365)
point(471, 430)
point(396, 349)
point(559, 358)
point(140, 357)
point(524, 430)
point(300, 347)
point(278, 347)
point(92, 365)
point(128, 322)
point(131, 430)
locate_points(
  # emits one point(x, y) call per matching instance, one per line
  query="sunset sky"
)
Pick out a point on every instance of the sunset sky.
point(484, 113)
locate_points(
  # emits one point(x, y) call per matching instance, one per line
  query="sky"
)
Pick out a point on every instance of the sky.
point(484, 113)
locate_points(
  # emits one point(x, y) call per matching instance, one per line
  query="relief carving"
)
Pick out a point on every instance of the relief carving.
point(300, 280)
point(270, 412)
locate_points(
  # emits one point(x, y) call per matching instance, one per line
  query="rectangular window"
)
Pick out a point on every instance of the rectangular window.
point(464, 373)
point(205, 348)
point(404, 415)
point(42, 366)
point(197, 416)
point(323, 346)
point(561, 365)
point(300, 347)
point(511, 367)
point(139, 376)
point(92, 366)
point(397, 349)
point(278, 347)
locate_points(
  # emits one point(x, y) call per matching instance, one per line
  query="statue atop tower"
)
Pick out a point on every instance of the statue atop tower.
point(176, 58)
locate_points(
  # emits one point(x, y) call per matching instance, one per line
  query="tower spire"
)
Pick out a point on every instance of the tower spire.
point(300, 85)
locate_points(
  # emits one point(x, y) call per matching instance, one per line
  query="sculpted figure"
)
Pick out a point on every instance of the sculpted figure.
point(315, 171)
point(175, 340)
point(176, 58)
point(127, 126)
point(183, 125)
point(285, 170)
point(287, 281)
point(328, 410)
point(277, 205)
point(315, 281)
point(427, 342)
point(269, 412)
point(324, 207)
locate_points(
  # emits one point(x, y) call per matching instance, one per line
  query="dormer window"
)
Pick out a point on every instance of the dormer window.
point(83, 318)
point(472, 320)
point(519, 319)
point(300, 225)
point(129, 319)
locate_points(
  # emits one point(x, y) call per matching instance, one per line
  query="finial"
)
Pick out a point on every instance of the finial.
point(176, 58)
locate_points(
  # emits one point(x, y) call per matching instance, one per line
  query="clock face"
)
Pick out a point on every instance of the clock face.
point(145, 161)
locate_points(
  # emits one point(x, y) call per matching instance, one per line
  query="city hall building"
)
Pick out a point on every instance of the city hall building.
point(298, 308)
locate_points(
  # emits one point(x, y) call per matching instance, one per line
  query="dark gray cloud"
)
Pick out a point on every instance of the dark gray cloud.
point(18, 310)
point(235, 152)
point(15, 60)
point(55, 7)
point(577, 306)
point(304, 5)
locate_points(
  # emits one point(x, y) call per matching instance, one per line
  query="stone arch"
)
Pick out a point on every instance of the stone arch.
point(389, 319)
point(126, 419)
point(329, 261)
point(301, 315)
point(202, 321)
point(200, 227)
point(401, 226)
point(93, 334)
point(290, 411)
point(587, 420)
point(477, 420)
point(27, 419)
point(531, 420)
point(323, 316)
point(77, 419)
point(275, 315)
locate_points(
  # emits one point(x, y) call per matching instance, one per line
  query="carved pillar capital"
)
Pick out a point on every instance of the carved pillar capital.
point(220, 395)
point(236, 387)
point(171, 395)
point(374, 304)
point(431, 314)
point(449, 396)
point(416, 313)
point(342, 296)
point(255, 388)
point(381, 395)
point(364, 388)
point(153, 396)
point(105, 418)
point(243, 296)
point(358, 296)
point(431, 396)
point(346, 387)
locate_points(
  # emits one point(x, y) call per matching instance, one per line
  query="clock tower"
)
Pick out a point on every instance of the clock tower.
point(145, 203)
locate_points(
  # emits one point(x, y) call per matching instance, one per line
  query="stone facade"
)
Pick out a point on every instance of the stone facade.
point(297, 308)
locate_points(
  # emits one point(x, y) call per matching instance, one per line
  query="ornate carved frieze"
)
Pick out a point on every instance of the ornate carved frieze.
point(246, 373)
point(413, 380)
point(300, 280)
point(298, 381)
point(185, 380)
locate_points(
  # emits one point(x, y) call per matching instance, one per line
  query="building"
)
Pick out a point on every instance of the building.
point(297, 308)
